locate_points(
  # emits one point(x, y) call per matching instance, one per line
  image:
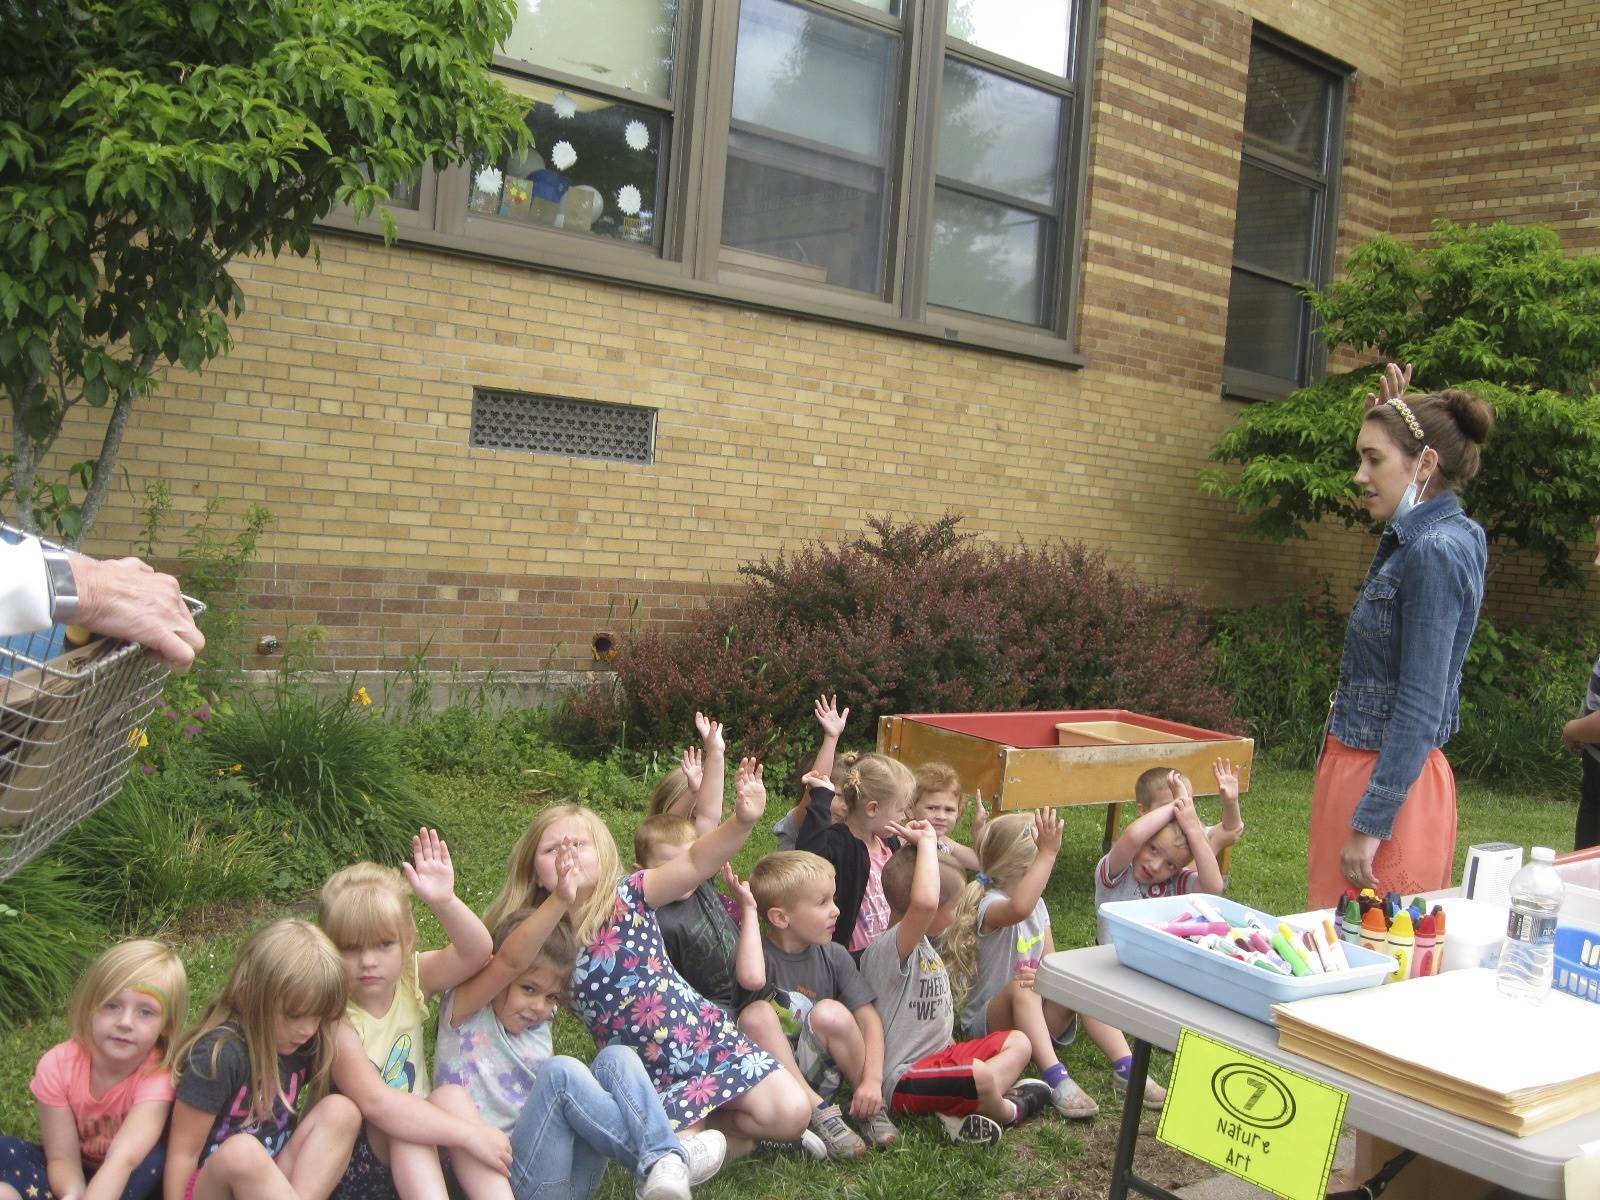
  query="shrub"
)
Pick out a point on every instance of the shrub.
point(914, 618)
point(47, 931)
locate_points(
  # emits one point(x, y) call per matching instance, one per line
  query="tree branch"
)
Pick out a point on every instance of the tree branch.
point(115, 428)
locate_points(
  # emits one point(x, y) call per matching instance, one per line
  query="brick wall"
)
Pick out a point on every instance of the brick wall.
point(345, 405)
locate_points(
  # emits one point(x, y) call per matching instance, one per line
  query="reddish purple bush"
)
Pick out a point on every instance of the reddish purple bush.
point(914, 618)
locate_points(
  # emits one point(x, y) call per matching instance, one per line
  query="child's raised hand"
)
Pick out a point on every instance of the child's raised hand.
point(567, 873)
point(738, 888)
point(1179, 785)
point(830, 716)
point(749, 792)
point(430, 873)
point(710, 733)
point(816, 779)
point(1185, 813)
point(980, 814)
point(914, 833)
point(1047, 831)
point(694, 767)
point(1227, 779)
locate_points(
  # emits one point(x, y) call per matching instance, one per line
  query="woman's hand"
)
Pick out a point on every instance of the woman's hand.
point(1355, 860)
point(1394, 384)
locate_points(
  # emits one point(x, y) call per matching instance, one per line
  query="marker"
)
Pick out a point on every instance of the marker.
point(1307, 945)
point(1427, 937)
point(1290, 955)
point(1374, 931)
point(1402, 943)
point(1206, 909)
point(1332, 951)
point(1350, 925)
point(1438, 946)
point(1221, 945)
point(1194, 929)
point(1266, 964)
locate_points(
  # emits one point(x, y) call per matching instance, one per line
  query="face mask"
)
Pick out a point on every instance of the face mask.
point(1409, 497)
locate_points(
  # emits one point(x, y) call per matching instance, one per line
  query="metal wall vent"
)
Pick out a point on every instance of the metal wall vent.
point(557, 425)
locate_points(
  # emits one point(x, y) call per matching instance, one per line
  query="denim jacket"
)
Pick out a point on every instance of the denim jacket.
point(1400, 675)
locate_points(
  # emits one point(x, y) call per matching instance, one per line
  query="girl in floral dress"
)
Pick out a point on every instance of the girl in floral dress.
point(624, 987)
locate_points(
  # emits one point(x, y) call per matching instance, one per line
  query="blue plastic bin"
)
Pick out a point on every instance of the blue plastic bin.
point(1572, 974)
point(1216, 977)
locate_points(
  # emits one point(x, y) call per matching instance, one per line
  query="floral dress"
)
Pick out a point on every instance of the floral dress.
point(626, 990)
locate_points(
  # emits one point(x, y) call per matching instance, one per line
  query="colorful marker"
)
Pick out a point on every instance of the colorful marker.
point(1194, 929)
point(1307, 945)
point(1427, 938)
point(1332, 951)
point(1290, 955)
point(1402, 943)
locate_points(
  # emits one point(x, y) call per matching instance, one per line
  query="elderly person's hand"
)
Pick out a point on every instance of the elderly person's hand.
point(129, 599)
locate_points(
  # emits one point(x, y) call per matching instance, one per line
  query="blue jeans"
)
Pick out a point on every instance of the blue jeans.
point(578, 1117)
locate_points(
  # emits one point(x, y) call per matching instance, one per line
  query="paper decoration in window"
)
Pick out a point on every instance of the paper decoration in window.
point(636, 135)
point(566, 107)
point(488, 180)
point(562, 155)
point(628, 199)
point(569, 428)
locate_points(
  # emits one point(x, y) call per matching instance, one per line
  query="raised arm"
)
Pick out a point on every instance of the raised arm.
point(433, 877)
point(832, 718)
point(707, 813)
point(749, 960)
point(1025, 895)
point(817, 818)
point(924, 901)
point(678, 877)
point(1140, 831)
point(521, 946)
point(1205, 859)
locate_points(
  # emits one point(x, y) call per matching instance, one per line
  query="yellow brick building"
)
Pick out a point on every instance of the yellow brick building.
point(790, 399)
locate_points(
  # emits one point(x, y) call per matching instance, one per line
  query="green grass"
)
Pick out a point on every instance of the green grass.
point(482, 818)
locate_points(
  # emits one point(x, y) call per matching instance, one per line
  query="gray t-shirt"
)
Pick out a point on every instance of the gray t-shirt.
point(825, 972)
point(787, 831)
point(1000, 953)
point(1125, 887)
point(919, 1016)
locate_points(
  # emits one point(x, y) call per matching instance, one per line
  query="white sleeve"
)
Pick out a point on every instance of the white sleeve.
point(24, 587)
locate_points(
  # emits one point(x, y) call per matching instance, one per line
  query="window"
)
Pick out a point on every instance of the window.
point(911, 166)
point(1287, 201)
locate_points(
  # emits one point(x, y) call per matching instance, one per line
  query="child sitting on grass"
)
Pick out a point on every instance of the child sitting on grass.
point(877, 791)
point(832, 1018)
point(970, 1086)
point(1152, 789)
point(1152, 857)
point(936, 799)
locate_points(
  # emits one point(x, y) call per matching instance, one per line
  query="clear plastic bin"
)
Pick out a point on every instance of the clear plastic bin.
point(1216, 977)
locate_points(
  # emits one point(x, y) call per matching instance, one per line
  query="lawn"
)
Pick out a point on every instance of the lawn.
point(483, 819)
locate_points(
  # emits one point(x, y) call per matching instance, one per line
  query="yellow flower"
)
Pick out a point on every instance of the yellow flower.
point(361, 696)
point(138, 739)
point(236, 768)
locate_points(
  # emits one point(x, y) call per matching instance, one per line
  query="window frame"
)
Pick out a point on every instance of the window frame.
point(1240, 384)
point(692, 261)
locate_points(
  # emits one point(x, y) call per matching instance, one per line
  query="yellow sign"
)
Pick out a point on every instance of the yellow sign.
point(1270, 1126)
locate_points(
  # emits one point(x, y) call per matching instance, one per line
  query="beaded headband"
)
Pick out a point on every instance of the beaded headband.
point(1404, 410)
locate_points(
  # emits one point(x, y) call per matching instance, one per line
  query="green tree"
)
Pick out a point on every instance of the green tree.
point(1498, 310)
point(144, 144)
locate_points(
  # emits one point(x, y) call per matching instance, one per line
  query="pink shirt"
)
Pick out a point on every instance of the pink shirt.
point(873, 918)
point(61, 1080)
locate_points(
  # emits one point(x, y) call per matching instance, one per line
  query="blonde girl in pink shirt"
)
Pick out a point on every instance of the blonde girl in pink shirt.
point(104, 1094)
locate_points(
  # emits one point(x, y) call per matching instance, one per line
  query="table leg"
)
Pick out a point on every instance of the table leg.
point(1113, 820)
point(1123, 1179)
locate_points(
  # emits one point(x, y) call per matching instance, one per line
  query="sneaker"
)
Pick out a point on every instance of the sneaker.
point(842, 1142)
point(1072, 1101)
point(974, 1129)
point(880, 1131)
point(1154, 1094)
point(668, 1180)
point(811, 1144)
point(705, 1151)
point(1031, 1097)
point(1068, 1035)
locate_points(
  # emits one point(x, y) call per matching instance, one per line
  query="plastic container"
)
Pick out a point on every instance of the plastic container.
point(1222, 980)
point(1527, 957)
point(1576, 950)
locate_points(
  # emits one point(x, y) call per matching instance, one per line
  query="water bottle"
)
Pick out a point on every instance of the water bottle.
point(1527, 956)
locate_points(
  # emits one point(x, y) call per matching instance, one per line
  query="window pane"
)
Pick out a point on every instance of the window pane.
point(1287, 106)
point(819, 211)
point(815, 77)
point(1277, 223)
point(998, 134)
point(595, 167)
point(1035, 32)
point(987, 258)
point(812, 97)
point(1266, 327)
point(622, 43)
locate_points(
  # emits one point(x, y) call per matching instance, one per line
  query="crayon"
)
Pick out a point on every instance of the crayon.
point(1374, 931)
point(1290, 955)
point(1350, 926)
point(1391, 906)
point(1194, 929)
point(1332, 951)
point(1402, 943)
point(1427, 937)
point(1438, 945)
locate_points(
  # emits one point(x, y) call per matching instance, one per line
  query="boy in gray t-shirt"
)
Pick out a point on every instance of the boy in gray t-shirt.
point(925, 1071)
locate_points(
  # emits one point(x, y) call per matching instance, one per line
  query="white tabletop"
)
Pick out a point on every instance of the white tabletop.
point(1093, 982)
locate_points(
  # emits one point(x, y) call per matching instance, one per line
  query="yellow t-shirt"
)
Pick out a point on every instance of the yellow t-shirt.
point(394, 1041)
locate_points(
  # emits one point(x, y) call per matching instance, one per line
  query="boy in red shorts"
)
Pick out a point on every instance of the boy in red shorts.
point(970, 1086)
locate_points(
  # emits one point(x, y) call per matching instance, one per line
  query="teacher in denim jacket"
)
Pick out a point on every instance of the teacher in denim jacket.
point(1384, 810)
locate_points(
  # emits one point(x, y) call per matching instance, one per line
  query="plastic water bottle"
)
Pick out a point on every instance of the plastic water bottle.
point(1527, 956)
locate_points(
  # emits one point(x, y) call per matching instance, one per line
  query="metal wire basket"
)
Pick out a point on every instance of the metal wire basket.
point(71, 718)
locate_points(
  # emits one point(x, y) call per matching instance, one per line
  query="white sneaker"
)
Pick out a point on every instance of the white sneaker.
point(706, 1151)
point(813, 1145)
point(974, 1129)
point(668, 1180)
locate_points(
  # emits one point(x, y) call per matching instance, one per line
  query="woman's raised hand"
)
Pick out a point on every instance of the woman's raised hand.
point(1393, 385)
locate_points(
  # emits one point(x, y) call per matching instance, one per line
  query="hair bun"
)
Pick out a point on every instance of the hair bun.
point(1472, 415)
point(850, 758)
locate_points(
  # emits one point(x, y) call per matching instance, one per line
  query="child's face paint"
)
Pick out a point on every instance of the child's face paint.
point(531, 999)
point(939, 809)
point(125, 1029)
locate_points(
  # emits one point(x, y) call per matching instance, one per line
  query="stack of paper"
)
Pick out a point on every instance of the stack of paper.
point(1455, 1042)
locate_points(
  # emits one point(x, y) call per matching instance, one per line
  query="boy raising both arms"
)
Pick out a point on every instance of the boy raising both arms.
point(970, 1086)
point(1153, 789)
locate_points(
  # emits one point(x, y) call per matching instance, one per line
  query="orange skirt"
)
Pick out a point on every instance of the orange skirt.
point(1420, 854)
